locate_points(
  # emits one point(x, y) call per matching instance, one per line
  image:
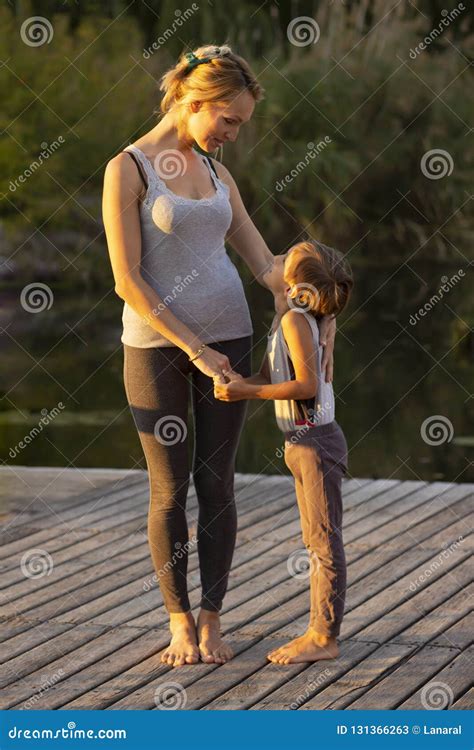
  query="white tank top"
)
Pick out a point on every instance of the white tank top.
point(295, 414)
point(184, 259)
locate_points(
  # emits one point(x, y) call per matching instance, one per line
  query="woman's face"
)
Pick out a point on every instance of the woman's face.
point(211, 124)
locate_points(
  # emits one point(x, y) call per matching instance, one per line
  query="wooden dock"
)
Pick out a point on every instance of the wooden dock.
point(83, 625)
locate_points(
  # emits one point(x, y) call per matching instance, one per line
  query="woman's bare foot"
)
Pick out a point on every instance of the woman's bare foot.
point(211, 646)
point(311, 646)
point(183, 648)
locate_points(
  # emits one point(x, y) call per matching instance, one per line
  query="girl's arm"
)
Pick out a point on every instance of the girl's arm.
point(299, 339)
point(260, 378)
point(243, 236)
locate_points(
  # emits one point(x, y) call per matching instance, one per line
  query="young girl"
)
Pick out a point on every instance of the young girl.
point(308, 282)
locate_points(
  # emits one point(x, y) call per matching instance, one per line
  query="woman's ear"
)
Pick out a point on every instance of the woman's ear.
point(195, 106)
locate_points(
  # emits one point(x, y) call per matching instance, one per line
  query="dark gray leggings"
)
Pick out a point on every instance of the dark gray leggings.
point(158, 382)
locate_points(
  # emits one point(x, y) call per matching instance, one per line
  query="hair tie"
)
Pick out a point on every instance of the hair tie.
point(194, 61)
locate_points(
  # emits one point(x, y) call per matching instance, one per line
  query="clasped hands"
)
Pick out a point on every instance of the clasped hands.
point(229, 387)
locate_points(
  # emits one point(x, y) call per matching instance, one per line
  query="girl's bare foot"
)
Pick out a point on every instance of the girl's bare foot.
point(211, 646)
point(311, 646)
point(183, 647)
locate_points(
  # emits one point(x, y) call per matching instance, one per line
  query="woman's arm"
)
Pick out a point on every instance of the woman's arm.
point(299, 338)
point(327, 335)
point(243, 236)
point(120, 210)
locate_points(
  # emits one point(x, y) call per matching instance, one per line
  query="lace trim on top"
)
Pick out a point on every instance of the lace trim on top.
point(155, 181)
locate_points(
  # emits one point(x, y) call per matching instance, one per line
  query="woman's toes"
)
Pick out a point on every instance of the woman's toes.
point(206, 655)
point(191, 658)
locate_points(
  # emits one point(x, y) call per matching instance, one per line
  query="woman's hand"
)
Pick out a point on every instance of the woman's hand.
point(236, 390)
point(327, 334)
point(215, 365)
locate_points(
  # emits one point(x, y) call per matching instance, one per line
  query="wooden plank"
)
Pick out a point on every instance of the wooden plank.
point(75, 517)
point(417, 671)
point(455, 679)
point(389, 613)
point(289, 605)
point(78, 656)
point(86, 546)
point(70, 640)
point(465, 702)
point(411, 564)
point(22, 489)
point(436, 622)
point(414, 508)
point(342, 691)
point(404, 534)
point(273, 686)
point(77, 680)
point(410, 675)
point(108, 557)
point(270, 620)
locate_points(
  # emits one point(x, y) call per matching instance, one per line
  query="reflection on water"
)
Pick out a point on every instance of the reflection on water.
point(403, 384)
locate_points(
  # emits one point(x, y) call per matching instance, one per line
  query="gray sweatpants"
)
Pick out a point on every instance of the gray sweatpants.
point(317, 458)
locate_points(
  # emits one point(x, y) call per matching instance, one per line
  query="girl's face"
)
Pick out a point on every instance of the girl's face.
point(210, 124)
point(281, 276)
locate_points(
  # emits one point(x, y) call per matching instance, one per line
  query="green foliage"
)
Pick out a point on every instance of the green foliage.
point(358, 86)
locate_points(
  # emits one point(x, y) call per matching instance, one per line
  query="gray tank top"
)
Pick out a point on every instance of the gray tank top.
point(297, 414)
point(185, 261)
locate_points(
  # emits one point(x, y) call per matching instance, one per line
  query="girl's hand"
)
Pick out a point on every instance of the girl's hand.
point(327, 334)
point(236, 390)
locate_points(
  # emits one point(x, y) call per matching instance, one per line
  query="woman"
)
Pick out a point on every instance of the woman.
point(167, 212)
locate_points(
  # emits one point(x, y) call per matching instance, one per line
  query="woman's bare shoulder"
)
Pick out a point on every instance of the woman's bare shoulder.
point(121, 168)
point(222, 172)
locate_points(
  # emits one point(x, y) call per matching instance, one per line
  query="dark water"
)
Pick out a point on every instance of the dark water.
point(391, 375)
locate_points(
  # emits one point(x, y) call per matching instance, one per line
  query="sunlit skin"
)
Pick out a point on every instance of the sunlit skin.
point(207, 125)
point(311, 646)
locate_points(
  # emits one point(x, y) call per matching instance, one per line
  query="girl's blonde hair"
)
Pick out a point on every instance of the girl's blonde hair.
point(220, 79)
